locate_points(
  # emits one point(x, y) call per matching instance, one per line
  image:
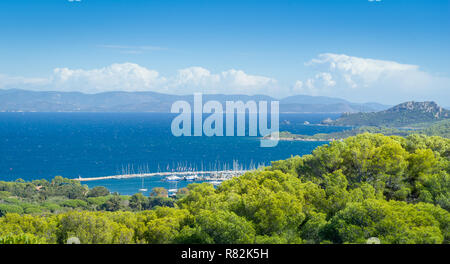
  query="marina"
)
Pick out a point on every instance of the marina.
point(175, 176)
point(172, 178)
point(214, 173)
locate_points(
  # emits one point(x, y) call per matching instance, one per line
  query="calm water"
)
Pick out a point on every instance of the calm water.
point(43, 145)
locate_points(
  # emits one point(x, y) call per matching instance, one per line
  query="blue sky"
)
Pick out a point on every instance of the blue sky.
point(361, 50)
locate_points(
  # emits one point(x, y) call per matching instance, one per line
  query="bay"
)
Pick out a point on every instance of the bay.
point(43, 145)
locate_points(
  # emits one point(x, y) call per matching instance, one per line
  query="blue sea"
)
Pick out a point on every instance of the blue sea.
point(43, 145)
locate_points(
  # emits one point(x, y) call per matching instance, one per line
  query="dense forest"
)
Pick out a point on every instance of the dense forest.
point(393, 188)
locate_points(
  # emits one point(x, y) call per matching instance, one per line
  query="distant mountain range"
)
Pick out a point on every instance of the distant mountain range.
point(15, 100)
point(405, 114)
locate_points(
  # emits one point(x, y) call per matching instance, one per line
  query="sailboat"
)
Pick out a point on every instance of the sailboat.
point(173, 178)
point(191, 177)
point(142, 189)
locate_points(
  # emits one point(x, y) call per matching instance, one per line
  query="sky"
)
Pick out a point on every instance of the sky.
point(386, 51)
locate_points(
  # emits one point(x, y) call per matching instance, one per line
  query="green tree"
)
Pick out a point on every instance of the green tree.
point(114, 203)
point(138, 202)
point(159, 192)
point(98, 191)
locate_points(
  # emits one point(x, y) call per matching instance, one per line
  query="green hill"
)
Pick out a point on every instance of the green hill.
point(402, 115)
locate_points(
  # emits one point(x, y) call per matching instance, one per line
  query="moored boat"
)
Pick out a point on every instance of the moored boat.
point(173, 178)
point(172, 192)
point(191, 177)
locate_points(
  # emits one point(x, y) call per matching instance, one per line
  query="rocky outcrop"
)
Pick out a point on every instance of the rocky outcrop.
point(425, 107)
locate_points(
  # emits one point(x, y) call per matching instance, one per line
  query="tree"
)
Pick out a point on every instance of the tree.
point(224, 227)
point(98, 191)
point(159, 192)
point(7, 208)
point(165, 225)
point(182, 192)
point(21, 239)
point(159, 201)
point(390, 221)
point(112, 204)
point(89, 227)
point(138, 202)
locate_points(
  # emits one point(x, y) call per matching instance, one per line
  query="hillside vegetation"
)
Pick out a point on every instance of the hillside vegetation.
point(402, 115)
point(439, 128)
point(389, 187)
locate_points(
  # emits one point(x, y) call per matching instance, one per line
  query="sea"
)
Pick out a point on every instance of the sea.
point(44, 145)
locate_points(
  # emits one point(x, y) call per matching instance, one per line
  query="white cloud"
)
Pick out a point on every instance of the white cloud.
point(230, 81)
point(326, 78)
point(133, 77)
point(365, 70)
point(362, 79)
point(195, 76)
point(116, 77)
point(314, 86)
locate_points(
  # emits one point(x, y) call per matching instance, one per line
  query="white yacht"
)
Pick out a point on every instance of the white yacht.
point(172, 192)
point(173, 178)
point(191, 177)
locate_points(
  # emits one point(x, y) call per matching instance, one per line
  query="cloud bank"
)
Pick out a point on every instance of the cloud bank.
point(338, 75)
point(232, 81)
point(362, 79)
point(116, 77)
point(133, 77)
